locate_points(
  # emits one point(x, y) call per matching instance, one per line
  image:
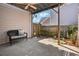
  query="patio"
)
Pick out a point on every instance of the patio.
point(35, 47)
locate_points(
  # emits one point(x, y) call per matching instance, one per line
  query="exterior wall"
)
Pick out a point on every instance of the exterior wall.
point(13, 18)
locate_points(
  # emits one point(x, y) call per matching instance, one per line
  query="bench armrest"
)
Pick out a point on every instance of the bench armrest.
point(26, 33)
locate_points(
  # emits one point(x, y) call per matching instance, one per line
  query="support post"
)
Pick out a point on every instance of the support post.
point(32, 25)
point(59, 24)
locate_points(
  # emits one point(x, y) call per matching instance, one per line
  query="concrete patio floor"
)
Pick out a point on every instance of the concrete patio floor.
point(33, 47)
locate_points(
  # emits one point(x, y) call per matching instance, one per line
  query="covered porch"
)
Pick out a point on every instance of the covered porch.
point(38, 43)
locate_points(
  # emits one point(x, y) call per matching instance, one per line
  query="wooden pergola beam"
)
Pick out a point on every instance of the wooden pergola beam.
point(54, 10)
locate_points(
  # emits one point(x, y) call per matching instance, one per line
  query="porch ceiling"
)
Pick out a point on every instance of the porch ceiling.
point(40, 6)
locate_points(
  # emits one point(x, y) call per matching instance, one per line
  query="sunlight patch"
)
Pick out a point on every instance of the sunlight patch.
point(53, 42)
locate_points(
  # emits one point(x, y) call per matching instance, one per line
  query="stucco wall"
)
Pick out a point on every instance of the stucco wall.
point(13, 18)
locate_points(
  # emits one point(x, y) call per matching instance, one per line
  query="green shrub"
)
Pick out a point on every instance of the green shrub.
point(47, 33)
point(72, 31)
point(43, 32)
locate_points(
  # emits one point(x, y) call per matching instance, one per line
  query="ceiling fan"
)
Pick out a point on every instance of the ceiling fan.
point(31, 6)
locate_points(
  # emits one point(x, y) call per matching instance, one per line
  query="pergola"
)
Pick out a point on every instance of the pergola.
point(42, 7)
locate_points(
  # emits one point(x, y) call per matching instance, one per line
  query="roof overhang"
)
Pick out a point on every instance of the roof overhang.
point(40, 6)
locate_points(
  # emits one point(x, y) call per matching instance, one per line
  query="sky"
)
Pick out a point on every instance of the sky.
point(40, 16)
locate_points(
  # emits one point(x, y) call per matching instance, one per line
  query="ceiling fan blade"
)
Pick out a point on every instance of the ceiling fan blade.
point(26, 7)
point(33, 7)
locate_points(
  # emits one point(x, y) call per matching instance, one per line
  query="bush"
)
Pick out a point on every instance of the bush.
point(71, 31)
point(43, 32)
point(47, 33)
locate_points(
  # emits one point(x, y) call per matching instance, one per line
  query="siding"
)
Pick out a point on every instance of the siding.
point(13, 18)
